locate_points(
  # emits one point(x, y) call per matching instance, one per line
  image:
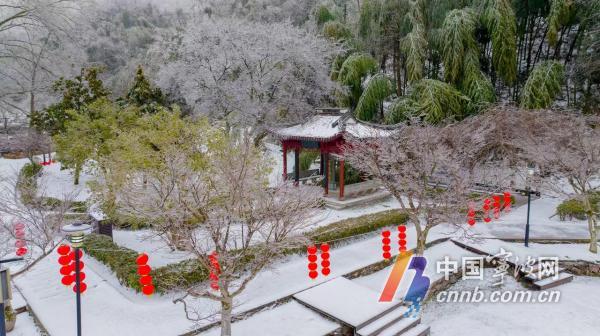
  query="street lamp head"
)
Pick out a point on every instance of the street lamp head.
point(76, 231)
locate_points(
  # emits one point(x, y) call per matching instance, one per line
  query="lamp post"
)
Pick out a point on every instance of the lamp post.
point(530, 173)
point(76, 232)
point(5, 291)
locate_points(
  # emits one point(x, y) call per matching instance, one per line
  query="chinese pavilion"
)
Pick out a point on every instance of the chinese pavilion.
point(327, 132)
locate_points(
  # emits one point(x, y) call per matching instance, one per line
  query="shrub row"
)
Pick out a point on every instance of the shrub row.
point(121, 260)
point(573, 208)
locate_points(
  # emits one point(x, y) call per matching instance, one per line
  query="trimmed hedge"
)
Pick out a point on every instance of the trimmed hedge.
point(573, 208)
point(121, 260)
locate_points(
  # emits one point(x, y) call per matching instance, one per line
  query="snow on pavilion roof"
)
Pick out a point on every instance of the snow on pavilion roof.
point(326, 127)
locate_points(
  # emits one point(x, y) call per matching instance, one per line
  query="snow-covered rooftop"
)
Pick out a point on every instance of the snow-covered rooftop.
point(328, 126)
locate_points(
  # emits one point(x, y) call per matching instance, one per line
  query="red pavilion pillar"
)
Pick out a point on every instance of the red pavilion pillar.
point(341, 195)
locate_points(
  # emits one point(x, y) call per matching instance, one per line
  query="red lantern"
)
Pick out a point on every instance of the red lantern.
point(148, 289)
point(66, 270)
point(144, 270)
point(402, 238)
point(385, 244)
point(142, 259)
point(68, 280)
point(82, 285)
point(146, 280)
point(64, 260)
point(63, 249)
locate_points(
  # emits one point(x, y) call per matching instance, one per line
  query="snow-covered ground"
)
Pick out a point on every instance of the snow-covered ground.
point(289, 319)
point(576, 313)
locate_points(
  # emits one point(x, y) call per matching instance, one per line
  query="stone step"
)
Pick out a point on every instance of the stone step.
point(563, 278)
point(418, 330)
point(386, 320)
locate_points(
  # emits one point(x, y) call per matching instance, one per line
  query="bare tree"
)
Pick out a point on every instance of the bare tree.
point(208, 194)
point(26, 202)
point(425, 168)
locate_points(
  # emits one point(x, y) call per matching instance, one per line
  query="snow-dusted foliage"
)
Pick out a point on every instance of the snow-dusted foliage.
point(247, 73)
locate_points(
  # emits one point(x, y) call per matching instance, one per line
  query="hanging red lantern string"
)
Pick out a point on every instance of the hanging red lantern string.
point(312, 262)
point(325, 270)
point(67, 268)
point(144, 273)
point(471, 214)
point(496, 206)
point(215, 270)
point(385, 244)
point(20, 244)
point(402, 238)
point(486, 210)
point(507, 201)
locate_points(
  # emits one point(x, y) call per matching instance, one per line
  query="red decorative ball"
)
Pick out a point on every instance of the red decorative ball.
point(313, 274)
point(324, 247)
point(402, 235)
point(386, 241)
point(402, 228)
point(487, 219)
point(72, 254)
point(325, 271)
point(67, 280)
point(142, 259)
point(66, 270)
point(386, 248)
point(144, 270)
point(149, 289)
point(63, 249)
point(385, 234)
point(311, 249)
point(146, 280)
point(402, 242)
point(21, 251)
point(325, 255)
point(312, 266)
point(64, 260)
point(312, 258)
point(387, 255)
point(325, 263)
point(83, 287)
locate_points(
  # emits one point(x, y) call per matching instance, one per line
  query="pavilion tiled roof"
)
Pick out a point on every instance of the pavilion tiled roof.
point(327, 126)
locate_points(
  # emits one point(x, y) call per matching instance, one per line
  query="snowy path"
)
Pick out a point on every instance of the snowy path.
point(108, 310)
point(576, 313)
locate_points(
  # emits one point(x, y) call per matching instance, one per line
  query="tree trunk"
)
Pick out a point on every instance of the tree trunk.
point(421, 242)
point(77, 174)
point(591, 224)
point(226, 308)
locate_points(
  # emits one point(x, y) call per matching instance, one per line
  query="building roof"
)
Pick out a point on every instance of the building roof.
point(328, 125)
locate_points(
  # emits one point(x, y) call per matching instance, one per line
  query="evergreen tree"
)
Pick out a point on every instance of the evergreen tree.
point(143, 95)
